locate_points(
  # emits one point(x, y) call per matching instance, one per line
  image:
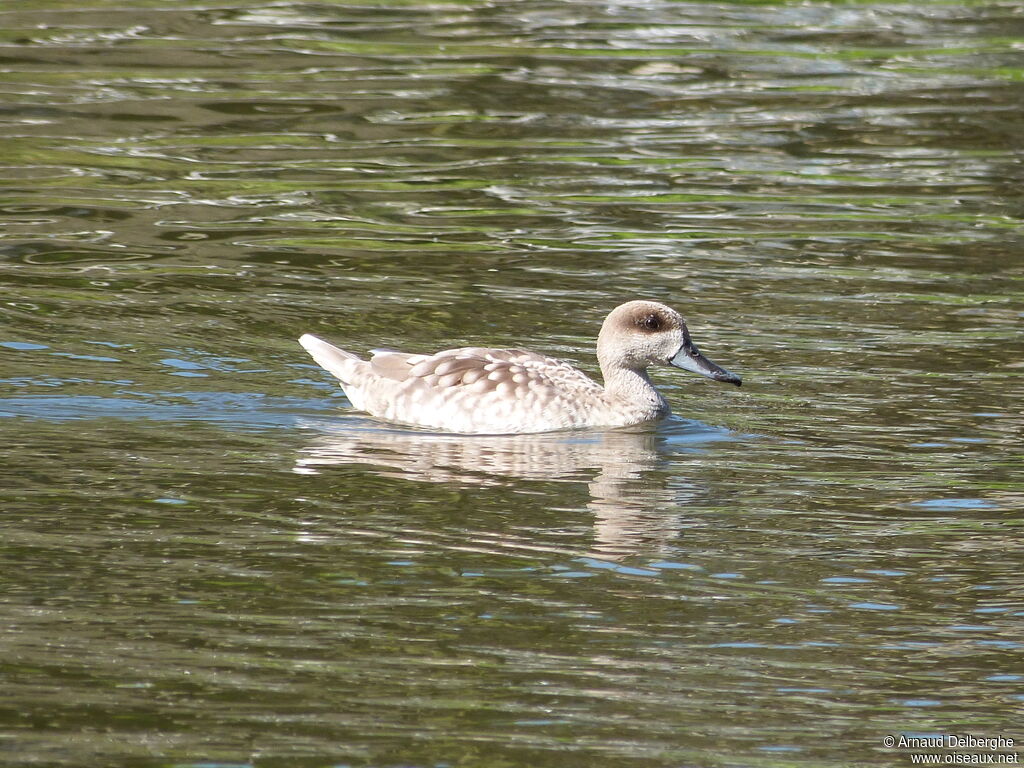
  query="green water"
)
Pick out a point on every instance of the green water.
point(209, 559)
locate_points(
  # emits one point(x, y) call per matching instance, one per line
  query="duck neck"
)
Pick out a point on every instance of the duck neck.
point(631, 385)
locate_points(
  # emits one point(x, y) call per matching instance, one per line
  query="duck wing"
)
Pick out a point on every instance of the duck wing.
point(508, 372)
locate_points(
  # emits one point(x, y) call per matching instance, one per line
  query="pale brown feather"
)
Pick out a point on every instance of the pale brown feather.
point(507, 371)
point(392, 365)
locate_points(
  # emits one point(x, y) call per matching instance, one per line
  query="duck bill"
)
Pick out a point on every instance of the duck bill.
point(689, 358)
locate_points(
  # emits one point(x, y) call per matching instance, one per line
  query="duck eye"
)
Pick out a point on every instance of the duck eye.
point(650, 322)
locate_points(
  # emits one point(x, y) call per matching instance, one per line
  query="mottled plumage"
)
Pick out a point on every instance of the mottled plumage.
point(496, 391)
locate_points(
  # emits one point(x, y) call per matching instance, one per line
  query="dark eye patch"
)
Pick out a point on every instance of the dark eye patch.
point(651, 322)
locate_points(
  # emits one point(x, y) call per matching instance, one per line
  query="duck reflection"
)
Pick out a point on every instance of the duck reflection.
point(634, 496)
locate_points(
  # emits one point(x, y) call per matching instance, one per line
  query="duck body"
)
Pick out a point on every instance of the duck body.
point(478, 390)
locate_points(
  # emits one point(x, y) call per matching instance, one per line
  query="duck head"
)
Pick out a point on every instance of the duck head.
point(638, 334)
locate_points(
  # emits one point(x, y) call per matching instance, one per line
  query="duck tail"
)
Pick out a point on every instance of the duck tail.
point(329, 357)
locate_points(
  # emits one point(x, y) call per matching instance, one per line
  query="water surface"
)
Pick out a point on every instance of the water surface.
point(210, 559)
